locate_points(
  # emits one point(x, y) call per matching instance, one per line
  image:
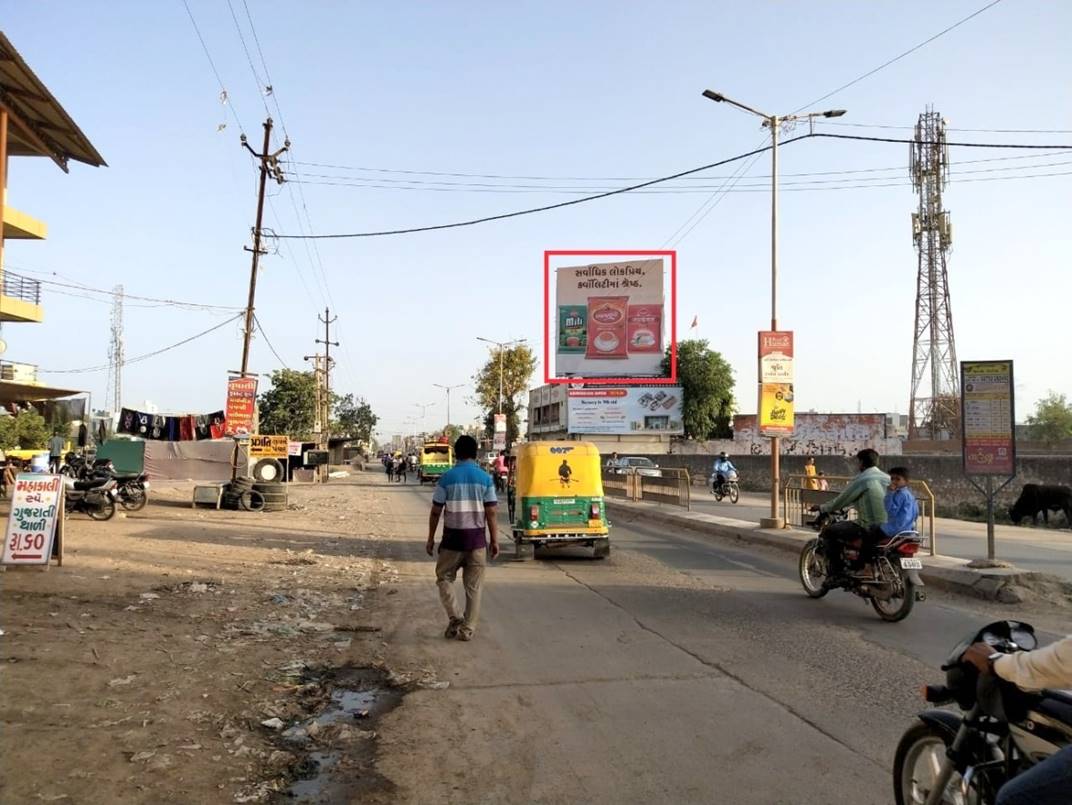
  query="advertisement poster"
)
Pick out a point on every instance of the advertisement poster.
point(610, 319)
point(776, 383)
point(265, 446)
point(614, 411)
point(499, 442)
point(241, 405)
point(31, 524)
point(988, 417)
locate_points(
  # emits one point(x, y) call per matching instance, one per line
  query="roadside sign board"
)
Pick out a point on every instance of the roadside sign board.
point(776, 383)
point(36, 507)
point(266, 446)
point(500, 433)
point(241, 406)
point(987, 418)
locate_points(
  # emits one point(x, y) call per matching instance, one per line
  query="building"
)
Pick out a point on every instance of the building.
point(626, 419)
point(32, 124)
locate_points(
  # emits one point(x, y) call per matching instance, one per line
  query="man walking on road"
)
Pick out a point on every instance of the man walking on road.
point(465, 499)
point(55, 452)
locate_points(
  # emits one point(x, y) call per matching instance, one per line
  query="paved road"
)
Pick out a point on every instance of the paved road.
point(682, 670)
point(1040, 549)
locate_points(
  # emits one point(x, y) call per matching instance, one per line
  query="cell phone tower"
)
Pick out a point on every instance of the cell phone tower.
point(934, 411)
point(113, 399)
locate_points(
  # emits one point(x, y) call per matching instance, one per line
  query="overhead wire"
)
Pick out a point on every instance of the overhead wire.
point(225, 97)
point(264, 335)
point(147, 355)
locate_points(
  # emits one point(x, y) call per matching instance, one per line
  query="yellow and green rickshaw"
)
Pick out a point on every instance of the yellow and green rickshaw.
point(559, 497)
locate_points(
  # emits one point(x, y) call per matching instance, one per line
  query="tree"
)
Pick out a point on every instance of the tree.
point(707, 389)
point(355, 418)
point(27, 430)
point(518, 364)
point(1052, 420)
point(289, 406)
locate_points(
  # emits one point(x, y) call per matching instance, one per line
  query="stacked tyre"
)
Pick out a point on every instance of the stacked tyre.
point(274, 494)
point(241, 494)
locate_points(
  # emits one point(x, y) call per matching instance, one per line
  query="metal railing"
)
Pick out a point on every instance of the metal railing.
point(22, 288)
point(801, 492)
point(672, 486)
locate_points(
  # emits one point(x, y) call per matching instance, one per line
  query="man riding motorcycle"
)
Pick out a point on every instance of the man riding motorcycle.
point(722, 468)
point(1049, 782)
point(866, 493)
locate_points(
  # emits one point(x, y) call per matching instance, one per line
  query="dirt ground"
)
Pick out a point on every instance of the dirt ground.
point(185, 655)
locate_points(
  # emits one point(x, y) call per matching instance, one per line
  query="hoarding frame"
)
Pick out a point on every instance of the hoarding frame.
point(609, 381)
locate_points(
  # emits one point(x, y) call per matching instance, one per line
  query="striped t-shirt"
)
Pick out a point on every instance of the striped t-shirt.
point(463, 492)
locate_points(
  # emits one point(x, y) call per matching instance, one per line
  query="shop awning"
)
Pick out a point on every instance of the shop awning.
point(11, 392)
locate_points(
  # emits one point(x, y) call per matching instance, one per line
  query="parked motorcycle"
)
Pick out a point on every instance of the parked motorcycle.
point(886, 573)
point(95, 497)
point(132, 490)
point(729, 488)
point(949, 759)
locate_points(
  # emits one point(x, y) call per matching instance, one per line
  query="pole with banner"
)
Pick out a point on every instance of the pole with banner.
point(775, 403)
point(499, 443)
point(988, 431)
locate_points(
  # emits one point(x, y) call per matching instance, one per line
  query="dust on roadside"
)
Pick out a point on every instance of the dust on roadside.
point(199, 655)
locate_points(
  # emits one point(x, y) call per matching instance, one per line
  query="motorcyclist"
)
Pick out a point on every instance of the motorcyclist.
point(499, 471)
point(1049, 782)
point(722, 468)
point(866, 493)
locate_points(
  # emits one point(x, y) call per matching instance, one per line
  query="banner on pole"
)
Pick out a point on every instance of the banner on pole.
point(776, 383)
point(241, 405)
point(499, 442)
point(988, 417)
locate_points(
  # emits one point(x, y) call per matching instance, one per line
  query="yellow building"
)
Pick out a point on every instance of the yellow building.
point(32, 124)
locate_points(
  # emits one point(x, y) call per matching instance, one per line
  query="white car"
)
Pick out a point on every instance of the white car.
point(639, 465)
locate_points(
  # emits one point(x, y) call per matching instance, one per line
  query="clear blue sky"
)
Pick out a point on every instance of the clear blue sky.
point(536, 89)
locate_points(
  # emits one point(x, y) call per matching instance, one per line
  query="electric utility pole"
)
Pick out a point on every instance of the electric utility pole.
point(269, 162)
point(325, 399)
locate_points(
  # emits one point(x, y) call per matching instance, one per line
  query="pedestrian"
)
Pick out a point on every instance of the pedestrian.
point(400, 469)
point(824, 485)
point(389, 465)
point(55, 453)
point(465, 499)
point(810, 472)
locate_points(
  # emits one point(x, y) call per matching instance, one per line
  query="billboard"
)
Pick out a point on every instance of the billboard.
point(499, 442)
point(776, 383)
point(987, 418)
point(628, 410)
point(610, 319)
point(241, 405)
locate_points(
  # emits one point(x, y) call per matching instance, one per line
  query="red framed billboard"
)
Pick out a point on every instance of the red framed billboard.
point(988, 418)
point(646, 316)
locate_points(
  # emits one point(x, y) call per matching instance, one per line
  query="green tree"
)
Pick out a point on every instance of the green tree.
point(518, 364)
point(355, 418)
point(1052, 420)
point(27, 430)
point(289, 406)
point(707, 388)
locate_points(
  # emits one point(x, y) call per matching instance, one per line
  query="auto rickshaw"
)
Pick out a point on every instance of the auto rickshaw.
point(559, 497)
point(435, 459)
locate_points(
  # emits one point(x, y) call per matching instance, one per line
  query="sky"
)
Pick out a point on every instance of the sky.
point(534, 89)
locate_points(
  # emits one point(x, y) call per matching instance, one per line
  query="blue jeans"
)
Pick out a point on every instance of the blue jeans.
point(1048, 783)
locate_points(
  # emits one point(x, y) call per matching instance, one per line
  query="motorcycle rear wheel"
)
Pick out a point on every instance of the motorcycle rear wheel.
point(133, 500)
point(900, 605)
point(104, 511)
point(813, 570)
point(920, 753)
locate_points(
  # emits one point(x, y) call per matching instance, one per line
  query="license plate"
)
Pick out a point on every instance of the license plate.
point(911, 564)
point(564, 501)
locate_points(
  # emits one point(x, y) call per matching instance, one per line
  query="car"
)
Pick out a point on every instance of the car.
point(640, 465)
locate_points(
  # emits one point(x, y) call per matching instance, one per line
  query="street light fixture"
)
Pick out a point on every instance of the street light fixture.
point(773, 122)
point(448, 390)
point(502, 345)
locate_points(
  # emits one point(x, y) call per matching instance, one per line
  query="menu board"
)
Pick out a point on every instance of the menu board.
point(988, 418)
point(36, 506)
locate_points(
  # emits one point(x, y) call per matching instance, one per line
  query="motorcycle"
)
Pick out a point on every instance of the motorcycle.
point(95, 497)
point(949, 759)
point(886, 573)
point(729, 488)
point(132, 490)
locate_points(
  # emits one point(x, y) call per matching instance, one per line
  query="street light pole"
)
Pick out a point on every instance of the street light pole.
point(774, 122)
point(447, 389)
point(502, 345)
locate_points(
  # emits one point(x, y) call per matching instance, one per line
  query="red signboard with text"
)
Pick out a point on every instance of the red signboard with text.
point(241, 405)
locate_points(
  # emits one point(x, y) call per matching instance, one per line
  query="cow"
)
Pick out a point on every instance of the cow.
point(1035, 498)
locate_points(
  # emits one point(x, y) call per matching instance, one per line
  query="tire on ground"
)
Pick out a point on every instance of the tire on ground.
point(267, 470)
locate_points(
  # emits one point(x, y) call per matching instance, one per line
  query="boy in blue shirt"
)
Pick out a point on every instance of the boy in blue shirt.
point(902, 511)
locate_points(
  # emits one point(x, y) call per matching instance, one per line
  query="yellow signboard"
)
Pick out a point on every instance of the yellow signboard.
point(264, 446)
point(776, 409)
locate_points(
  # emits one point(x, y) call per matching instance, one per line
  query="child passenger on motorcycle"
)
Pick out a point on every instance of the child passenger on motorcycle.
point(902, 511)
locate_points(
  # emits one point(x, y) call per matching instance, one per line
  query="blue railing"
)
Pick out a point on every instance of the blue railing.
point(23, 288)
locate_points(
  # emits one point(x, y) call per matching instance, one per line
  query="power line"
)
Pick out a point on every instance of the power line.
point(546, 207)
point(147, 355)
point(264, 335)
point(948, 128)
point(897, 58)
point(225, 98)
point(1021, 146)
point(262, 88)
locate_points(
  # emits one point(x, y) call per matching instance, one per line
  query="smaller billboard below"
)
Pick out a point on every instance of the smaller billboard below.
point(988, 429)
point(621, 411)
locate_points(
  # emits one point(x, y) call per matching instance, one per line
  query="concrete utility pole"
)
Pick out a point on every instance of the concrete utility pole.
point(328, 362)
point(773, 122)
point(269, 164)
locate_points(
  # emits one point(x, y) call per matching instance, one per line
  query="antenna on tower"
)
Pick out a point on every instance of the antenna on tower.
point(114, 394)
point(934, 411)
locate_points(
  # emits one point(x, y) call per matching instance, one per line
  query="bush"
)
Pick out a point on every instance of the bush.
point(27, 431)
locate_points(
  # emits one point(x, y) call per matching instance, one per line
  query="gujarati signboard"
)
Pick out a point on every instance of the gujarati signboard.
point(988, 418)
point(776, 383)
point(499, 442)
point(241, 405)
point(36, 507)
point(265, 446)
